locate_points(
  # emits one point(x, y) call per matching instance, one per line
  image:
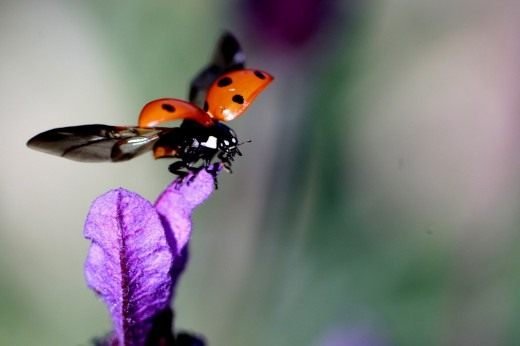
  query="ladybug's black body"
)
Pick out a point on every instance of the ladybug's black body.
point(193, 143)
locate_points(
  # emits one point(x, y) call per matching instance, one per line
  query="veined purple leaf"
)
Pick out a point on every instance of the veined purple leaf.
point(129, 262)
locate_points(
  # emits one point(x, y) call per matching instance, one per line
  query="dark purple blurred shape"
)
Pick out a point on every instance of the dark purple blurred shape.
point(289, 22)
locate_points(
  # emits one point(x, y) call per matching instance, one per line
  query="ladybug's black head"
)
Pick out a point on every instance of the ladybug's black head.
point(227, 141)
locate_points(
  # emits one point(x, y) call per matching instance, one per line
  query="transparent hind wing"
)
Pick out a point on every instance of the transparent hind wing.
point(96, 143)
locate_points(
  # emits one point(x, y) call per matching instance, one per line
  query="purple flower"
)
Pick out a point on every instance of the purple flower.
point(288, 22)
point(138, 250)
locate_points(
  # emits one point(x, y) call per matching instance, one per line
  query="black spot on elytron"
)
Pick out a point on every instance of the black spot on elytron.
point(168, 107)
point(238, 99)
point(206, 106)
point(224, 82)
point(259, 74)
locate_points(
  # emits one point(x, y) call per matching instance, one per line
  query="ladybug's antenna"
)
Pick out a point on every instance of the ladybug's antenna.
point(244, 142)
point(240, 143)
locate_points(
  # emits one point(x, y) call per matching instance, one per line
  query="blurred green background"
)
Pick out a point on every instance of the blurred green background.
point(378, 201)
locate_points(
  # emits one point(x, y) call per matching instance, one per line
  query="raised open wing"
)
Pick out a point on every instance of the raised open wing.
point(228, 56)
point(96, 143)
point(232, 93)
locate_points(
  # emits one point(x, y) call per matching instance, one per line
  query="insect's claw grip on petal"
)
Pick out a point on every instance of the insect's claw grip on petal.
point(213, 170)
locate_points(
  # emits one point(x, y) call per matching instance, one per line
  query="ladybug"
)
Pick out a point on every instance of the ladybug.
point(219, 93)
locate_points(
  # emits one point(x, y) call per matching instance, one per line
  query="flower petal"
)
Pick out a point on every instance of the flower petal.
point(129, 262)
point(175, 205)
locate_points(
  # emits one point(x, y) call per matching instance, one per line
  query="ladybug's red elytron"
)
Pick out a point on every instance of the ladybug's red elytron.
point(220, 92)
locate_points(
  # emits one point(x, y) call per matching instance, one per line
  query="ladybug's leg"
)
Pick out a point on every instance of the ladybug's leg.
point(183, 169)
point(189, 163)
point(207, 158)
point(226, 161)
point(206, 164)
point(213, 170)
point(177, 169)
